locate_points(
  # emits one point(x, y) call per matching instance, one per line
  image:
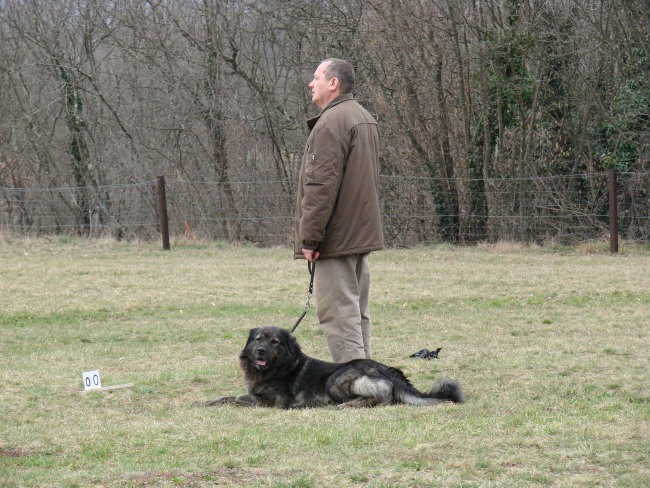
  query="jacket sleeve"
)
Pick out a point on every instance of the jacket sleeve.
point(324, 166)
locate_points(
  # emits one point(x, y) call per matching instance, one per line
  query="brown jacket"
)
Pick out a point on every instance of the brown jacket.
point(337, 205)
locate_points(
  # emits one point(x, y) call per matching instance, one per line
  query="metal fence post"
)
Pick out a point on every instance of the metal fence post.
point(613, 212)
point(162, 204)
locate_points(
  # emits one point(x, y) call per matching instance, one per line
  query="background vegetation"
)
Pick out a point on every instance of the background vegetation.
point(115, 92)
point(550, 344)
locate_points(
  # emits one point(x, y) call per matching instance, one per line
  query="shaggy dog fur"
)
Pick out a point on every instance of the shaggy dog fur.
point(278, 374)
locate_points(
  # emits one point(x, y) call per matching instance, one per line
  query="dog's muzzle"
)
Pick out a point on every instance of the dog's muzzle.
point(261, 361)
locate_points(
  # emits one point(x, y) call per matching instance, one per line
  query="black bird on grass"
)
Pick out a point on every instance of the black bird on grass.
point(426, 354)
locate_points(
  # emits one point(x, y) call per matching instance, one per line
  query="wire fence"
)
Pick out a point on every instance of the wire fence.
point(544, 209)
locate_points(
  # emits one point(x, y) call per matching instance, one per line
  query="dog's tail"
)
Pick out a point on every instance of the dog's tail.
point(444, 391)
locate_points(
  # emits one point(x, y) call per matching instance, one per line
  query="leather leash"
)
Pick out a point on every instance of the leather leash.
point(312, 269)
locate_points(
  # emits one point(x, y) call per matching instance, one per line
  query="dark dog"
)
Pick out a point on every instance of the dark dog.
point(279, 374)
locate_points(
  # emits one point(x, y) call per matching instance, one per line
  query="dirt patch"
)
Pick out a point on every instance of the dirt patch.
point(14, 452)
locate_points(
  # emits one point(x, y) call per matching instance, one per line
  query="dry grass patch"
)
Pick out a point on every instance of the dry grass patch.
point(551, 347)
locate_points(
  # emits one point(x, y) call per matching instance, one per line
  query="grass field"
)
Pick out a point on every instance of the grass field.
point(551, 346)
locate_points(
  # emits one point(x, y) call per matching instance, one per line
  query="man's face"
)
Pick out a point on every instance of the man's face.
point(321, 87)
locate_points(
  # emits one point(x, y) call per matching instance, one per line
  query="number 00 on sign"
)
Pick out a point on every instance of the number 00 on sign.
point(92, 380)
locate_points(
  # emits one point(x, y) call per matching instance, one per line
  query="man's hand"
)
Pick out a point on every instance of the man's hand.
point(310, 254)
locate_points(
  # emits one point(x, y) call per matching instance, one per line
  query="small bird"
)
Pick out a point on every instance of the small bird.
point(426, 354)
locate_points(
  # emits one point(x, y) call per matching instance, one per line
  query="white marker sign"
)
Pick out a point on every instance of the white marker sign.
point(92, 380)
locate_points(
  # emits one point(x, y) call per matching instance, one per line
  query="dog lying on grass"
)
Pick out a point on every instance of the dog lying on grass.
point(278, 374)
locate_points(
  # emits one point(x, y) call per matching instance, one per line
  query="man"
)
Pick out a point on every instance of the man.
point(338, 217)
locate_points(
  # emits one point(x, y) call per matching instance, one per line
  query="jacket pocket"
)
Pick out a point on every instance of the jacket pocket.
point(310, 167)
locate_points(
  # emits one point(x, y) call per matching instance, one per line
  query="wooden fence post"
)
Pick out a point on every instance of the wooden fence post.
point(162, 204)
point(613, 212)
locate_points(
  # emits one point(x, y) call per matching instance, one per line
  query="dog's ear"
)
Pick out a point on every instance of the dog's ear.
point(292, 343)
point(251, 335)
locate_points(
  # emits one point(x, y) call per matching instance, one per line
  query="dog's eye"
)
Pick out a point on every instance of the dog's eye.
point(275, 342)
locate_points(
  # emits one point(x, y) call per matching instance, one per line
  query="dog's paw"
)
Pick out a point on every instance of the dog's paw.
point(216, 402)
point(343, 406)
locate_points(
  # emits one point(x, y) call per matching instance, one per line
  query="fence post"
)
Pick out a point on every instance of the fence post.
point(162, 204)
point(613, 212)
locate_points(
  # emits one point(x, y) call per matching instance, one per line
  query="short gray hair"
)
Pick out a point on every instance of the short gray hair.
point(341, 69)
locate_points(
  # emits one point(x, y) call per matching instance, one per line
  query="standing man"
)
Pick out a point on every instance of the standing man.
point(338, 218)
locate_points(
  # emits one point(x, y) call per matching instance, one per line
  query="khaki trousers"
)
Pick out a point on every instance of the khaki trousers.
point(341, 287)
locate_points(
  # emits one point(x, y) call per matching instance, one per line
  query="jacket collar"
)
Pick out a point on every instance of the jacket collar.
point(341, 98)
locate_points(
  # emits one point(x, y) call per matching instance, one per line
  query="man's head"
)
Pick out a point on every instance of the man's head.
point(332, 78)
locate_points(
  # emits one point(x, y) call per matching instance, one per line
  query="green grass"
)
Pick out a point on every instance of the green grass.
point(550, 345)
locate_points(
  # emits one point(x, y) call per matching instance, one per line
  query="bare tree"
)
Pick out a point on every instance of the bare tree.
point(477, 99)
point(61, 38)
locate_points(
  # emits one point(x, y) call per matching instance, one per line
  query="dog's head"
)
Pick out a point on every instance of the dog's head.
point(270, 348)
